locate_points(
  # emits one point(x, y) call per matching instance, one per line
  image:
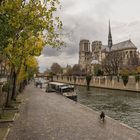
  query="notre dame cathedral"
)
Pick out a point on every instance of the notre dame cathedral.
point(96, 52)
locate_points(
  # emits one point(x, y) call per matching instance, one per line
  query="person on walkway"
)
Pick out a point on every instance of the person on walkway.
point(102, 116)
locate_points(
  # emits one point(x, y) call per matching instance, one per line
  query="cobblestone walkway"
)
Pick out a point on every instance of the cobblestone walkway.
point(49, 116)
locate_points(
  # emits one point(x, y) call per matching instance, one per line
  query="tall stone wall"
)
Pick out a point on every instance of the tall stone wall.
point(102, 82)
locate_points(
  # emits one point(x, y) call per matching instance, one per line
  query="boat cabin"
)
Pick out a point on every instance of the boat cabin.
point(63, 89)
point(55, 86)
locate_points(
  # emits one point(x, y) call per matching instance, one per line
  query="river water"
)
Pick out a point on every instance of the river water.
point(120, 105)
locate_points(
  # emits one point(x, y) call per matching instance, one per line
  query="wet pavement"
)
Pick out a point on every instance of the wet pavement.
point(49, 116)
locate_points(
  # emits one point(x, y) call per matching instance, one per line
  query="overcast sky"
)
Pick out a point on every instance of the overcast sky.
point(88, 19)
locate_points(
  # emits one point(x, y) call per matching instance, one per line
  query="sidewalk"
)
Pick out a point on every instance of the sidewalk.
point(49, 116)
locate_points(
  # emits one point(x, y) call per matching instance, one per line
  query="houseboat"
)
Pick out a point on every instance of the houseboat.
point(63, 89)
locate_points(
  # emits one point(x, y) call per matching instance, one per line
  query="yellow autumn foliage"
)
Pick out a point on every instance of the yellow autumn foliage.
point(22, 74)
point(27, 28)
point(124, 72)
point(32, 62)
point(138, 69)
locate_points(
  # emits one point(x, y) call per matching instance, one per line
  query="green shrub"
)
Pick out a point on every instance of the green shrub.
point(125, 79)
point(88, 79)
point(110, 77)
point(62, 77)
point(98, 72)
point(118, 78)
point(137, 78)
point(74, 78)
point(67, 78)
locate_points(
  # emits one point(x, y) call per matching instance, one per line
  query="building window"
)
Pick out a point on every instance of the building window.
point(86, 47)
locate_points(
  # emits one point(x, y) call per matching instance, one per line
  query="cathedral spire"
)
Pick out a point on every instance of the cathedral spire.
point(109, 38)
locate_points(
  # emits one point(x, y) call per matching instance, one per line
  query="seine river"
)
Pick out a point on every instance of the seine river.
point(120, 105)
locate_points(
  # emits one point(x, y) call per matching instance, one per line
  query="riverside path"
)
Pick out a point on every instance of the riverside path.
point(49, 116)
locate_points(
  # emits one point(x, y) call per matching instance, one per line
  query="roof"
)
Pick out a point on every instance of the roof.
point(128, 44)
point(95, 62)
point(123, 45)
point(104, 48)
point(67, 87)
point(56, 83)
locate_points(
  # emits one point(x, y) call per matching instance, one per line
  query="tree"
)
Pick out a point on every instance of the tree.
point(26, 27)
point(88, 79)
point(27, 72)
point(112, 63)
point(47, 72)
point(68, 70)
point(97, 70)
point(31, 65)
point(56, 68)
point(125, 75)
point(138, 69)
point(76, 70)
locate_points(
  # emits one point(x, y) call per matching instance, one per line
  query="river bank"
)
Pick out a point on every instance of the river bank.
point(106, 82)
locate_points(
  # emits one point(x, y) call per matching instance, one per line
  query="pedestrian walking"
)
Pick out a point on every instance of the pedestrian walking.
point(102, 116)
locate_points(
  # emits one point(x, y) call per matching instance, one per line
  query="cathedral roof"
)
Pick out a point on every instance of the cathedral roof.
point(128, 44)
point(123, 45)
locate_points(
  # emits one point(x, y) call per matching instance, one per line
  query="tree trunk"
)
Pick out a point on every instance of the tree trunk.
point(20, 87)
point(9, 93)
point(14, 85)
point(1, 70)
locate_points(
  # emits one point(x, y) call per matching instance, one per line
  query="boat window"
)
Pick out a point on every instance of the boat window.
point(67, 90)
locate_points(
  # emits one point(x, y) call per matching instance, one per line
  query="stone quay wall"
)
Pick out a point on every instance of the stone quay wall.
point(109, 82)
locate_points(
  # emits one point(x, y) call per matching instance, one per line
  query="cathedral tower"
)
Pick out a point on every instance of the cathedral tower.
point(84, 53)
point(110, 43)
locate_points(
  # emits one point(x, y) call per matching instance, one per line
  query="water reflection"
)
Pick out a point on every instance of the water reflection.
point(120, 105)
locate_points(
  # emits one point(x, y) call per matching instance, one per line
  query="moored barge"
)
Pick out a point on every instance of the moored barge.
point(63, 89)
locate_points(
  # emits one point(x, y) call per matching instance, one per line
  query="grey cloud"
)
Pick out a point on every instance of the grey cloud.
point(76, 28)
point(127, 30)
point(48, 51)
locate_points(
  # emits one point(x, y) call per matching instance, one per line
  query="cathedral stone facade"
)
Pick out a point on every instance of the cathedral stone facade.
point(85, 54)
point(96, 52)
